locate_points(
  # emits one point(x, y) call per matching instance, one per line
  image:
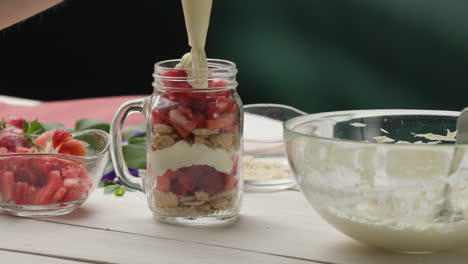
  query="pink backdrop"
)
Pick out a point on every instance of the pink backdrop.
point(69, 111)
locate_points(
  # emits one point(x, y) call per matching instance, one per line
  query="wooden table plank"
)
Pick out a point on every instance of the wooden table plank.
point(9, 257)
point(273, 223)
point(93, 245)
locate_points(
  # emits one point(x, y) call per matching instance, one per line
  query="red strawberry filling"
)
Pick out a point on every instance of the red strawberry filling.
point(197, 178)
point(210, 108)
point(42, 181)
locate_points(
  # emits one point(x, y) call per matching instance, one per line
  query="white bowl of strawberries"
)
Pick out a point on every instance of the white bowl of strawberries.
point(49, 173)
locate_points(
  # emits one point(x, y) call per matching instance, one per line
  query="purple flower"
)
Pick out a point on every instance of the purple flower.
point(110, 176)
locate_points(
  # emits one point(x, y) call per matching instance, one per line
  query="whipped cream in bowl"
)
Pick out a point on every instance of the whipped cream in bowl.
point(382, 183)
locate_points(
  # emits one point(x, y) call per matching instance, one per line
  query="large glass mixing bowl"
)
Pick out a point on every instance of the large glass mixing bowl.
point(384, 177)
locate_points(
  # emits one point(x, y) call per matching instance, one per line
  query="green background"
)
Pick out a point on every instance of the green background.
point(335, 55)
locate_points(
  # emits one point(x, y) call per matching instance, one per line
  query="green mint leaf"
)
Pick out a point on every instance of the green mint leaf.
point(2, 125)
point(135, 155)
point(139, 141)
point(106, 183)
point(111, 188)
point(31, 130)
point(25, 126)
point(88, 123)
point(50, 126)
point(138, 128)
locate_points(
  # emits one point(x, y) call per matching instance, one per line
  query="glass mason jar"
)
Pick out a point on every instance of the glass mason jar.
point(194, 145)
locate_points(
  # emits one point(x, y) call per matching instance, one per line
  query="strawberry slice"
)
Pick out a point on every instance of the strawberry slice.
point(24, 150)
point(58, 195)
point(188, 181)
point(226, 122)
point(73, 183)
point(73, 147)
point(73, 195)
point(163, 183)
point(175, 79)
point(208, 179)
point(16, 121)
point(31, 195)
point(11, 138)
point(70, 172)
point(20, 192)
point(54, 183)
point(179, 119)
point(43, 138)
point(199, 119)
point(220, 106)
point(230, 180)
point(60, 136)
point(179, 190)
point(218, 89)
point(6, 186)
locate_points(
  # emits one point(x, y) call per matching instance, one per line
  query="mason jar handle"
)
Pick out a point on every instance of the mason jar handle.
point(118, 161)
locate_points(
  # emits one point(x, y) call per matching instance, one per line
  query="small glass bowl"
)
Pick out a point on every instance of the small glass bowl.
point(50, 184)
point(265, 167)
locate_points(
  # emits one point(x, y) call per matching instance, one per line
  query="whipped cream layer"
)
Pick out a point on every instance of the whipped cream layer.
point(182, 154)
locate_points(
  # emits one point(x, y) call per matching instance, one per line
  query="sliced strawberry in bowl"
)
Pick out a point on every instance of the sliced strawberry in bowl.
point(73, 147)
point(31, 195)
point(74, 195)
point(54, 183)
point(40, 182)
point(7, 181)
point(16, 121)
point(20, 192)
point(11, 138)
point(42, 140)
point(59, 194)
point(59, 137)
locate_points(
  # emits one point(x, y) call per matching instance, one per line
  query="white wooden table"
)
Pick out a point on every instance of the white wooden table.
point(278, 227)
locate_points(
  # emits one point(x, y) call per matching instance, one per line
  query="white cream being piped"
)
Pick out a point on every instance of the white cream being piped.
point(197, 18)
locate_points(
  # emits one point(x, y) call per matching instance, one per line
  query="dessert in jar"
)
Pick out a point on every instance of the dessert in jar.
point(195, 143)
point(195, 121)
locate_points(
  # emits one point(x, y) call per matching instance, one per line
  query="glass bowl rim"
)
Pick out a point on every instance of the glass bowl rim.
point(67, 156)
point(288, 125)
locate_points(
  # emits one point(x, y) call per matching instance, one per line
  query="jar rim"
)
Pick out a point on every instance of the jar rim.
point(214, 63)
point(218, 69)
